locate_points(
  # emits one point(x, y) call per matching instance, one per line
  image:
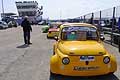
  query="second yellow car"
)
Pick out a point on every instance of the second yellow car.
point(53, 29)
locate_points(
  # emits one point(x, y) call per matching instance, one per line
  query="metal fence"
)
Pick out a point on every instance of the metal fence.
point(107, 22)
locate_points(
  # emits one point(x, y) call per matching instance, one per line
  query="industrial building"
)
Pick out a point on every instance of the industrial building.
point(30, 9)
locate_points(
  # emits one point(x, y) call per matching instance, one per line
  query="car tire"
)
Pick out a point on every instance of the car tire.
point(1, 27)
point(47, 37)
point(111, 73)
point(43, 31)
point(52, 74)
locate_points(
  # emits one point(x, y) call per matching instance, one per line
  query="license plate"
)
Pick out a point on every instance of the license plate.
point(87, 58)
point(85, 68)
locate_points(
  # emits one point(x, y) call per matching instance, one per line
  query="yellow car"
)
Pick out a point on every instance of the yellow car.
point(78, 51)
point(53, 30)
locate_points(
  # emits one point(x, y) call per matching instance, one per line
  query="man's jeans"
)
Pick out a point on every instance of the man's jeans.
point(27, 37)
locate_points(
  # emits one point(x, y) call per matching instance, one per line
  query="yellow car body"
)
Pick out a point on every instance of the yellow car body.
point(53, 30)
point(52, 33)
point(81, 57)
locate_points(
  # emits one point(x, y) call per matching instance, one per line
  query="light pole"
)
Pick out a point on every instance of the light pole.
point(2, 8)
point(60, 14)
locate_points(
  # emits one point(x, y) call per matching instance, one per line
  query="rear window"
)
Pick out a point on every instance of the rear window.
point(55, 25)
point(79, 33)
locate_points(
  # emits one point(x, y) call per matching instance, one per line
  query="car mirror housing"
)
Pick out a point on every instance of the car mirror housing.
point(56, 38)
point(102, 38)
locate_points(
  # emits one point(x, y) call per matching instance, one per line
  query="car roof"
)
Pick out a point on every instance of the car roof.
point(76, 24)
point(56, 23)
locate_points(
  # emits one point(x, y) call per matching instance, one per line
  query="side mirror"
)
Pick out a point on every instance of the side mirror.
point(56, 38)
point(102, 38)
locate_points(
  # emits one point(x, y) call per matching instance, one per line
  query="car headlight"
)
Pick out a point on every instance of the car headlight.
point(65, 60)
point(106, 59)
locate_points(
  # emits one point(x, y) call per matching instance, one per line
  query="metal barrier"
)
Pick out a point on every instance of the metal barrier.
point(107, 21)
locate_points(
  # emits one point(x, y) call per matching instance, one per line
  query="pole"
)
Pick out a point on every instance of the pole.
point(119, 43)
point(84, 19)
point(2, 8)
point(100, 22)
point(113, 24)
point(60, 15)
point(81, 19)
point(92, 18)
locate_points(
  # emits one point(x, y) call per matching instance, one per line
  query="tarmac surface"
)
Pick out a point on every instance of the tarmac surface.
point(21, 62)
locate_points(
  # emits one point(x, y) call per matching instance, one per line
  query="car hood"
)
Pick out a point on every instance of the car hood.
point(81, 48)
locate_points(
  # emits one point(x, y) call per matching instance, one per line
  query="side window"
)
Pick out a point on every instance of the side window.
point(91, 35)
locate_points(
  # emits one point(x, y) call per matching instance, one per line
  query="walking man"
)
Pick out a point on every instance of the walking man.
point(26, 30)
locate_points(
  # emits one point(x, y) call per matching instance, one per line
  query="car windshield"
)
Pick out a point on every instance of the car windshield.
point(80, 33)
point(55, 26)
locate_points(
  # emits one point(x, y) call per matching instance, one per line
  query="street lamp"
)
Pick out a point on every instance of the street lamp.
point(60, 14)
point(2, 8)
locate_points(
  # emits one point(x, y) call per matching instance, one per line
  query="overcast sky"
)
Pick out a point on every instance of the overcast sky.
point(56, 9)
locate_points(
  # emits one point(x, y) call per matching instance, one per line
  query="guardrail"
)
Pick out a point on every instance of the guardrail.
point(107, 21)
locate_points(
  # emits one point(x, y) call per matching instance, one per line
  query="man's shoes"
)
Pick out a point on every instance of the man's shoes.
point(29, 43)
point(25, 44)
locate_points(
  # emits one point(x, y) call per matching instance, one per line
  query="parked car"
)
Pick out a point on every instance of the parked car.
point(53, 29)
point(7, 19)
point(78, 51)
point(3, 25)
point(12, 24)
point(45, 28)
point(41, 23)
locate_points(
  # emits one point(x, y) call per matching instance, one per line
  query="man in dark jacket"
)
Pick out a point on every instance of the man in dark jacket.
point(26, 30)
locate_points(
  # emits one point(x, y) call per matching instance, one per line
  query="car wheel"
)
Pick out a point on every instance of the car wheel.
point(9, 26)
point(43, 31)
point(47, 37)
point(1, 27)
point(52, 74)
point(111, 73)
point(15, 25)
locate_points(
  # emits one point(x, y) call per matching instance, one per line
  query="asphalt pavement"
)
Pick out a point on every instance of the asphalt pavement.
point(21, 62)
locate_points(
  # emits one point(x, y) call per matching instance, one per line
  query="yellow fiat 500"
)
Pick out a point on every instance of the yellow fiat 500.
point(53, 30)
point(78, 51)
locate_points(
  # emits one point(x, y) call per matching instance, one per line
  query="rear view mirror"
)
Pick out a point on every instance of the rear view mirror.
point(102, 37)
point(56, 38)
